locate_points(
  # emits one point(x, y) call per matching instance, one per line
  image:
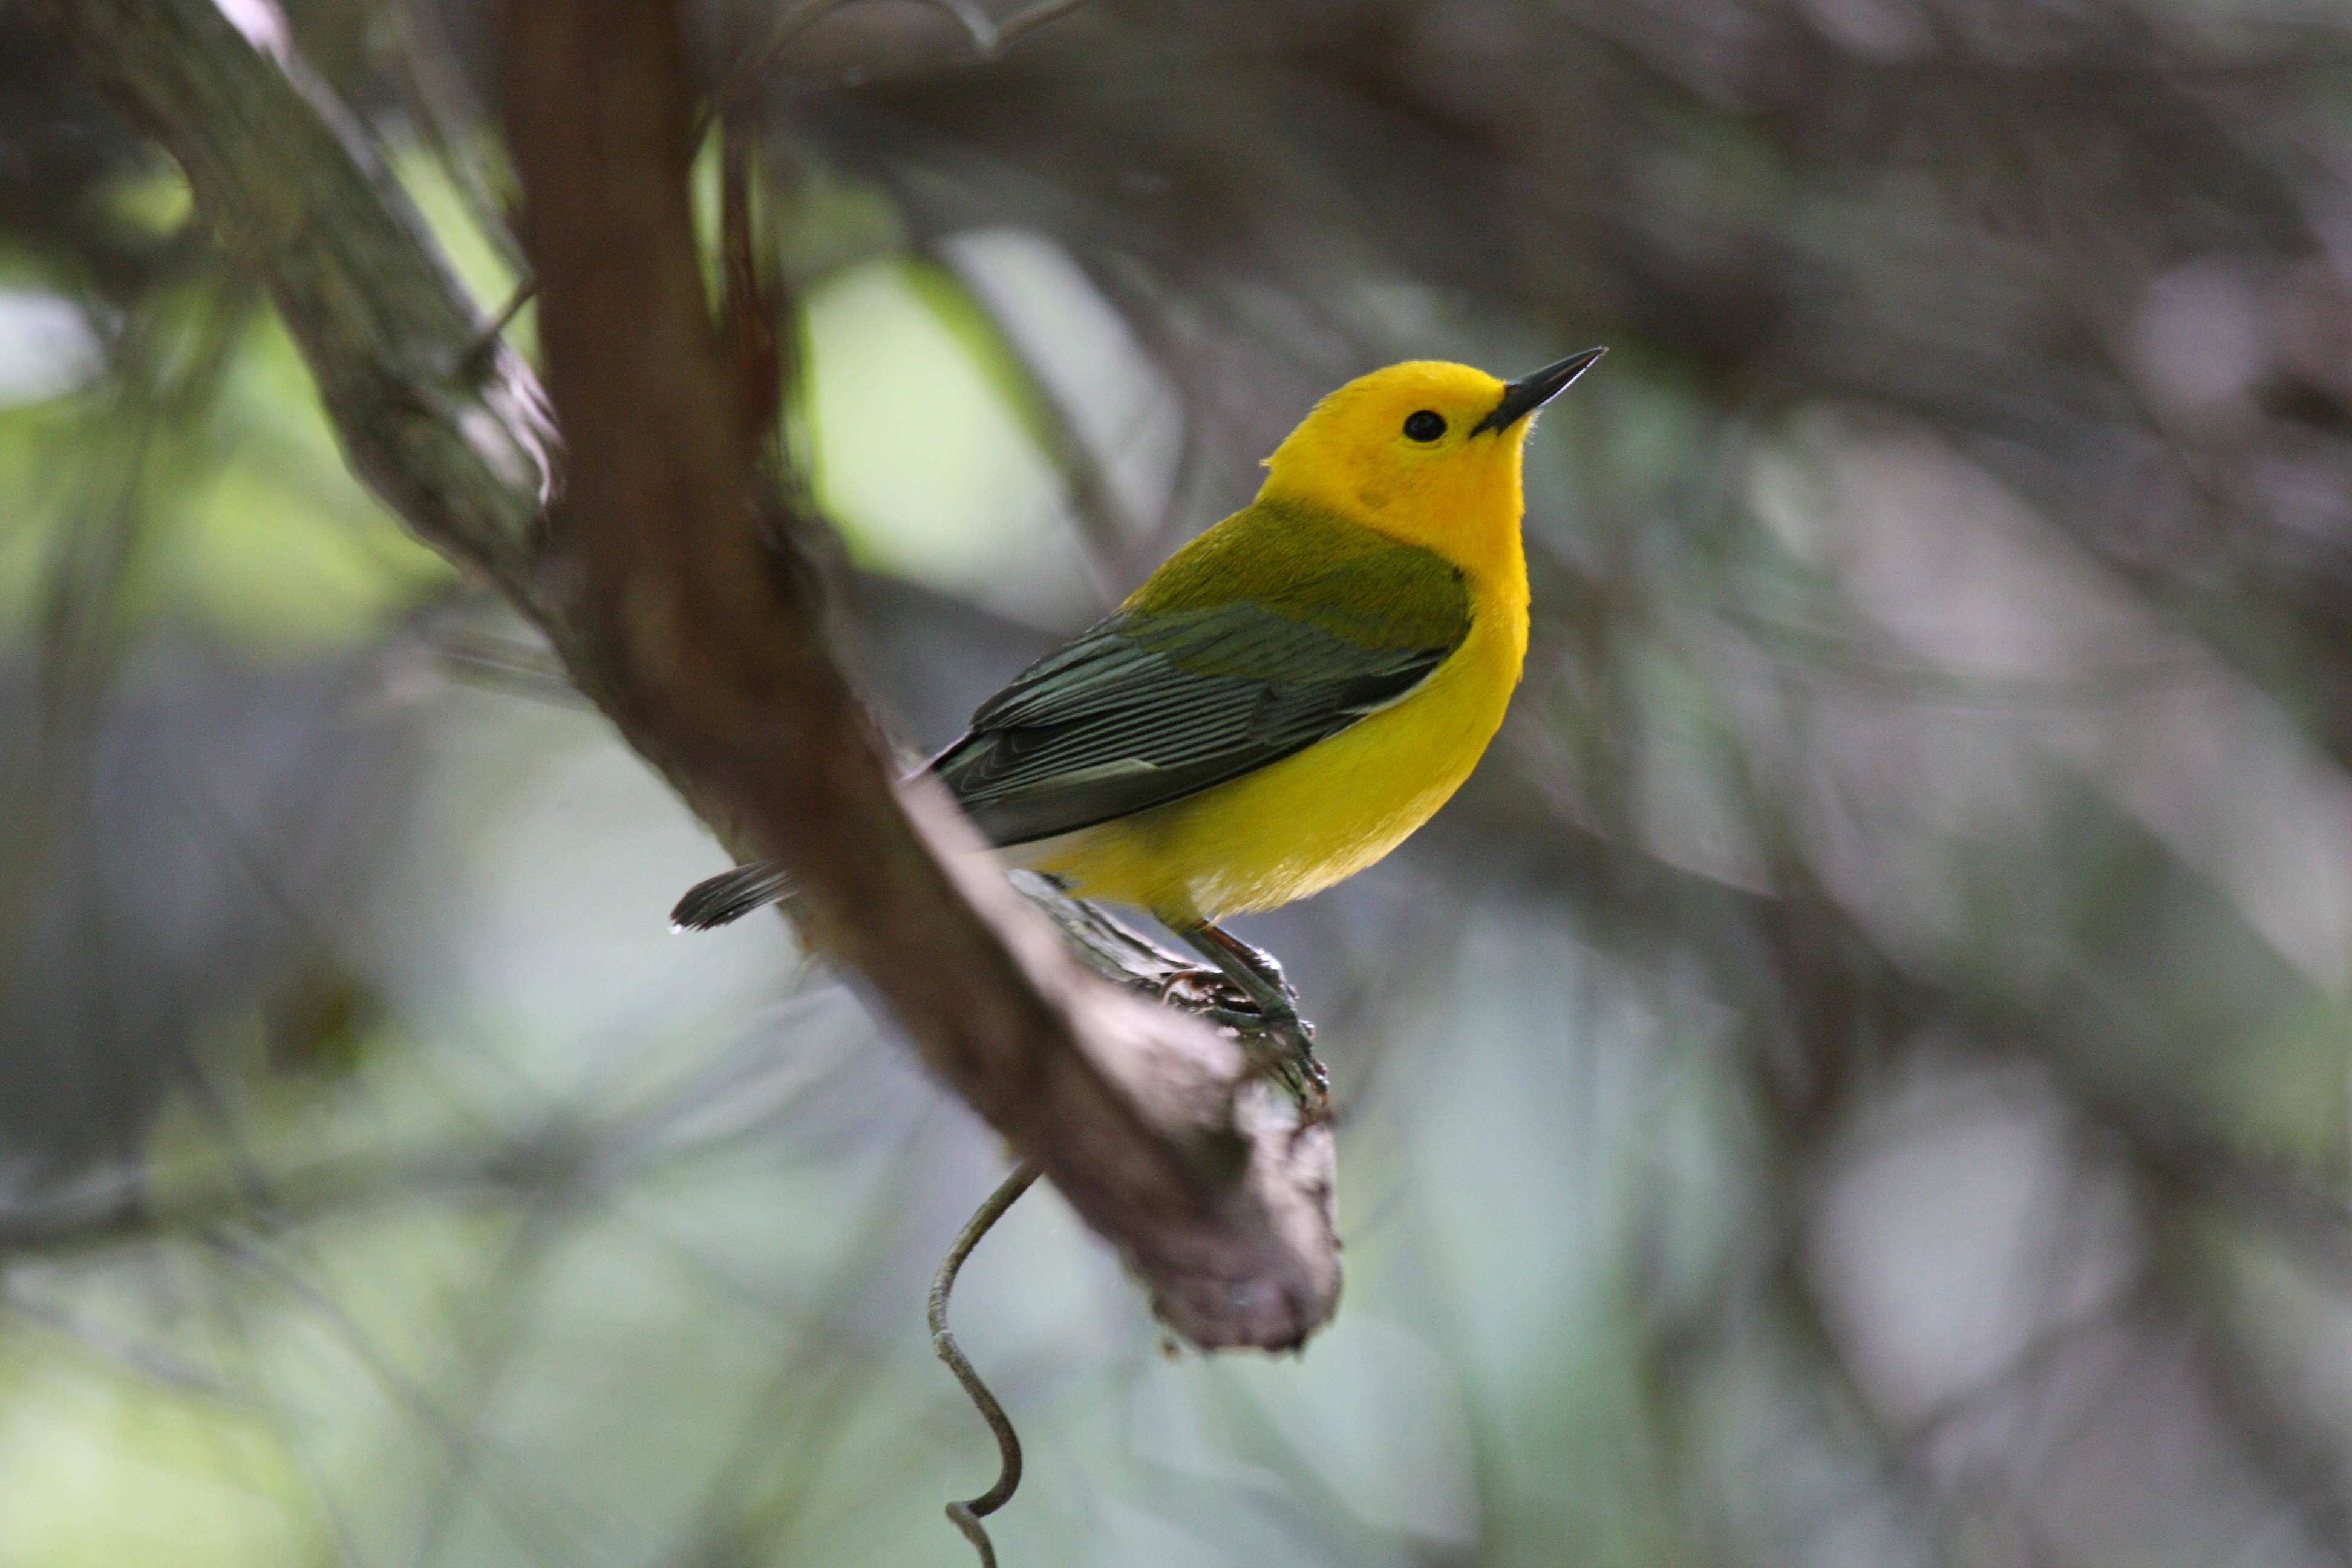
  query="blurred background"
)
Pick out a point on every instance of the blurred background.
point(1858, 1079)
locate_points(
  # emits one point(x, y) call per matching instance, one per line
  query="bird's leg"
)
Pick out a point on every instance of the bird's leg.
point(1257, 972)
point(1258, 976)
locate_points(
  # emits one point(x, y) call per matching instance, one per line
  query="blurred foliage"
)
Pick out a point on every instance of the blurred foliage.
point(1860, 1077)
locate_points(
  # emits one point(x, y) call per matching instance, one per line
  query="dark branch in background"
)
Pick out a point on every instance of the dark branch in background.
point(655, 585)
point(80, 630)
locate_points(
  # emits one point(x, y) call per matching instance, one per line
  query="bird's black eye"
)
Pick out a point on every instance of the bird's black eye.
point(1427, 425)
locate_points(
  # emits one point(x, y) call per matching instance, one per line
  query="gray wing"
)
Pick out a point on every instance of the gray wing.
point(1147, 708)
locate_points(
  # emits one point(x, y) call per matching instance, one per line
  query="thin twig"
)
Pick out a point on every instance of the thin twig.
point(966, 1516)
point(447, 117)
point(977, 24)
point(989, 35)
point(1032, 19)
point(736, 87)
point(477, 358)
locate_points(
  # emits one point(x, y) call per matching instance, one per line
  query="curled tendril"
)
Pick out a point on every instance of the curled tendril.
point(966, 1516)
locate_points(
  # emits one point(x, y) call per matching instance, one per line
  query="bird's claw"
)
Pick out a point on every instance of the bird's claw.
point(1281, 1050)
point(1296, 1068)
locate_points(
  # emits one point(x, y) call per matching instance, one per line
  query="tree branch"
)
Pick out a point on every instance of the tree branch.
point(656, 580)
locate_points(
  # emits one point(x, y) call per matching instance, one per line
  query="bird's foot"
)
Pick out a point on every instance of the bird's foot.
point(1257, 972)
point(1281, 1049)
point(1279, 1043)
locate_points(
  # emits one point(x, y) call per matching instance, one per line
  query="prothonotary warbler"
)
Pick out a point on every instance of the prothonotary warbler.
point(1289, 695)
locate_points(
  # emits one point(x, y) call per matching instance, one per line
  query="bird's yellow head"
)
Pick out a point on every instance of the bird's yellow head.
point(1426, 452)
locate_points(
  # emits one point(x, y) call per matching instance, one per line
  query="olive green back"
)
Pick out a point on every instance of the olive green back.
point(1303, 563)
point(1279, 627)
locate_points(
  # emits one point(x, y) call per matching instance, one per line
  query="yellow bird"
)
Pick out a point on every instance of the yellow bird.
point(1289, 695)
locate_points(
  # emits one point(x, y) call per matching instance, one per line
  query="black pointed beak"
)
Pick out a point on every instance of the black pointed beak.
point(1529, 393)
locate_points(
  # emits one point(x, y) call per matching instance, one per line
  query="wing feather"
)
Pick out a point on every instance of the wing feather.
point(1148, 707)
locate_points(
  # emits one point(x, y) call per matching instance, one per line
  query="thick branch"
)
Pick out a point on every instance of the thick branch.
point(655, 585)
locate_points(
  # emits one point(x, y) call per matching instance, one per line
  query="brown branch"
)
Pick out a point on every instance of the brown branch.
point(655, 581)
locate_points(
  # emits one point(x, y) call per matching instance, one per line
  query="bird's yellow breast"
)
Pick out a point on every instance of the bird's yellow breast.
point(1296, 827)
point(1302, 824)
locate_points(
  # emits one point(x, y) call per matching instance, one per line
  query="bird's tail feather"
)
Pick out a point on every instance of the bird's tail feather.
point(730, 895)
